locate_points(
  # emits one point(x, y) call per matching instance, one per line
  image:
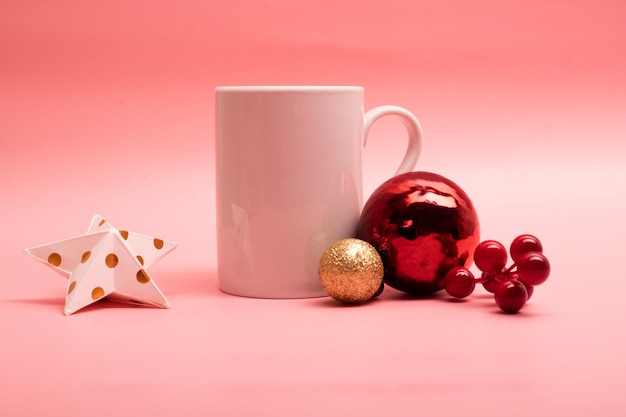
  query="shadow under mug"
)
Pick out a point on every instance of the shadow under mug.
point(289, 182)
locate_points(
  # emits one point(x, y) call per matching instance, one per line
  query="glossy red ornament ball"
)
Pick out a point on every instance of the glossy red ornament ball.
point(422, 224)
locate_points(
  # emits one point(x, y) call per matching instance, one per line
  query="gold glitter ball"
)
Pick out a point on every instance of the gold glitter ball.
point(351, 271)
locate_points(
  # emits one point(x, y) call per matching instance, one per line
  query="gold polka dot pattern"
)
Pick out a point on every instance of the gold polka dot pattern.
point(111, 260)
point(106, 263)
point(97, 293)
point(54, 259)
point(143, 277)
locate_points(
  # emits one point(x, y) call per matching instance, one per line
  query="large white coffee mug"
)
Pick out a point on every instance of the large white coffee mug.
point(288, 163)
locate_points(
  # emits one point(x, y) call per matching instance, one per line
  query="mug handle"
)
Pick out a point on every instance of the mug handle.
point(413, 127)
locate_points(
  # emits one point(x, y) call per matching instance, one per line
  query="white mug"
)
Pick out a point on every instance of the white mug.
point(289, 183)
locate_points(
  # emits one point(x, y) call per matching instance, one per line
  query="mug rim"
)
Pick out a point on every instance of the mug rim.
point(287, 88)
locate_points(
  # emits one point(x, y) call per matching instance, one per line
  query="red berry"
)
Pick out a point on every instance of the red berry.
point(459, 282)
point(529, 288)
point(491, 285)
point(523, 244)
point(490, 281)
point(533, 268)
point(511, 296)
point(490, 256)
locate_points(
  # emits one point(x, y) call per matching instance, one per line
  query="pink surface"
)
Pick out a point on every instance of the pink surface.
point(107, 107)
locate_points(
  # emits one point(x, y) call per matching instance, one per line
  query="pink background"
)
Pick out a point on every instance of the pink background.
point(107, 107)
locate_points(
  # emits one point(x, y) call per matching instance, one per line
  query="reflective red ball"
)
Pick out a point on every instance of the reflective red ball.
point(422, 224)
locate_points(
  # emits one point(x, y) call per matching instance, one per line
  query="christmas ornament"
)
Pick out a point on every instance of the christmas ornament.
point(351, 271)
point(106, 262)
point(422, 224)
point(512, 286)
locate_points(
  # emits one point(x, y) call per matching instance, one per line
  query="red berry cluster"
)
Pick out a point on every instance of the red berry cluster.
point(512, 286)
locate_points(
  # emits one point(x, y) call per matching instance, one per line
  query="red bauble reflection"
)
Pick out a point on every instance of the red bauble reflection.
point(422, 224)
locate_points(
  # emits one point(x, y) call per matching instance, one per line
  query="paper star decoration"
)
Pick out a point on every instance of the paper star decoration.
point(106, 262)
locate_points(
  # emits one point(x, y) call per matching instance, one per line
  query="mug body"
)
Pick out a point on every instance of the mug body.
point(288, 163)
